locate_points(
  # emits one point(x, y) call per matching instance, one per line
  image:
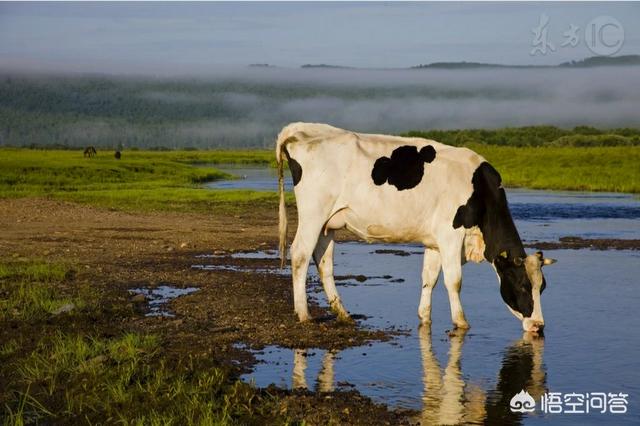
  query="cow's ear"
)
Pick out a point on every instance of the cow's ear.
point(380, 172)
point(548, 261)
point(428, 154)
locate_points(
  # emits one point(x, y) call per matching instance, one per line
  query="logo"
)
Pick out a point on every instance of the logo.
point(522, 402)
point(604, 35)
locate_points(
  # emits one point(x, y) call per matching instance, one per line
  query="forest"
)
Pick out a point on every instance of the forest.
point(247, 109)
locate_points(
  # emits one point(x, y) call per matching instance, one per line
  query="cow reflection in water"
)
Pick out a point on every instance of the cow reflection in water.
point(325, 377)
point(447, 398)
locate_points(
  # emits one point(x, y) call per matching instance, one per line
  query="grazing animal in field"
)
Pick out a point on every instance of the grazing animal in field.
point(89, 152)
point(118, 155)
point(403, 190)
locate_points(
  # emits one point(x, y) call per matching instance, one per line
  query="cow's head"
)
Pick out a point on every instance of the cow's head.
point(521, 284)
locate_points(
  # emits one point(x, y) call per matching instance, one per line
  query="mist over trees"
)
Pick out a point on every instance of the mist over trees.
point(245, 108)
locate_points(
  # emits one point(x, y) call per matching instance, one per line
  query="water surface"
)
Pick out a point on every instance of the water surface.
point(592, 335)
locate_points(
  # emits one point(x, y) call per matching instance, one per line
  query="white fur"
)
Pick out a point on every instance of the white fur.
point(336, 191)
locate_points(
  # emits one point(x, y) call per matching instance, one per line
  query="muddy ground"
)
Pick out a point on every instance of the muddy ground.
point(231, 312)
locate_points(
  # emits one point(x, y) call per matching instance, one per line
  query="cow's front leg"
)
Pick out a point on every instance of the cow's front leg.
point(452, 271)
point(430, 272)
point(323, 257)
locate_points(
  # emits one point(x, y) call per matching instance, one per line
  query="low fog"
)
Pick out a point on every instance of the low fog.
point(247, 106)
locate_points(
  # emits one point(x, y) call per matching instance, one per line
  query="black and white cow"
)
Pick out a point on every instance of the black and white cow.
point(403, 190)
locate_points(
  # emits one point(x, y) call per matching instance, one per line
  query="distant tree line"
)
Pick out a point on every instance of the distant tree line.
point(110, 112)
point(581, 136)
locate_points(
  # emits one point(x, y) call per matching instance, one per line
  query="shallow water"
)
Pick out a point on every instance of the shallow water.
point(592, 334)
point(590, 344)
point(159, 297)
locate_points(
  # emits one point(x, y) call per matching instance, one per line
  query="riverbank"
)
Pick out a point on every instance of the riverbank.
point(77, 344)
point(168, 180)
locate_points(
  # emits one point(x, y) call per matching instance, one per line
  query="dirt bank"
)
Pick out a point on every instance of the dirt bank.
point(571, 242)
point(114, 252)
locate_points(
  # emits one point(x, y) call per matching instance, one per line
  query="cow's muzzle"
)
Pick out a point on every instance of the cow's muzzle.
point(532, 325)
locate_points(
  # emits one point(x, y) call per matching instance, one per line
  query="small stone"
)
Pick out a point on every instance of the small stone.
point(183, 245)
point(67, 307)
point(98, 359)
point(138, 298)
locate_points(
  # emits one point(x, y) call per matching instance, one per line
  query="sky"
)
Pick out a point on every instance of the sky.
point(197, 38)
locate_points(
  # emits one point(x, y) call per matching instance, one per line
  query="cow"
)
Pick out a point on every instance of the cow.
point(395, 189)
point(89, 152)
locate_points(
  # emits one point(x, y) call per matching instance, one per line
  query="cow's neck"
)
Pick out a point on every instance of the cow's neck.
point(502, 239)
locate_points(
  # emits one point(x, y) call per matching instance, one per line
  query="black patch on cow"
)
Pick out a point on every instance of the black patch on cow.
point(515, 287)
point(405, 168)
point(488, 209)
point(295, 167)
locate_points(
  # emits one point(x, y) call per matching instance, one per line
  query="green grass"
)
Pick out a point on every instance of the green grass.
point(70, 378)
point(29, 290)
point(172, 180)
point(141, 180)
point(61, 370)
point(614, 169)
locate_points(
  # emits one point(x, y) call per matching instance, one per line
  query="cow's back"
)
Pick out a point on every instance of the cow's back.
point(340, 167)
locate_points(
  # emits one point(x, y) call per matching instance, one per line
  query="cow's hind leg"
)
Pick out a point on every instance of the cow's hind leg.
point(301, 250)
point(430, 272)
point(323, 257)
point(452, 271)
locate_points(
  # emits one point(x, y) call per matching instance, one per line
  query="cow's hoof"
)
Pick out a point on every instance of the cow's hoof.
point(304, 317)
point(425, 321)
point(344, 318)
point(462, 325)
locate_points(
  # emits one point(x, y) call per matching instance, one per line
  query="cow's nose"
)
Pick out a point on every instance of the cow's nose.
point(533, 326)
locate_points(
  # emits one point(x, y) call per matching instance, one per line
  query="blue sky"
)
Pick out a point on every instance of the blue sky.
point(194, 38)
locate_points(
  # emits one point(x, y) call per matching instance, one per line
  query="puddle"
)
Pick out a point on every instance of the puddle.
point(471, 378)
point(158, 297)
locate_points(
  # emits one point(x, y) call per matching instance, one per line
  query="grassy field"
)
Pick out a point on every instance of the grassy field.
point(141, 180)
point(612, 169)
point(172, 180)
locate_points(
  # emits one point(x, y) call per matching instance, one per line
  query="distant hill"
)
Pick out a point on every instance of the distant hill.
point(324, 66)
point(599, 61)
point(594, 61)
point(464, 64)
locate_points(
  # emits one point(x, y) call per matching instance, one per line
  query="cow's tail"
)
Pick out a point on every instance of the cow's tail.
point(285, 136)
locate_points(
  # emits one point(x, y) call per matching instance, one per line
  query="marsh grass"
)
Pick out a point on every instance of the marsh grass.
point(30, 290)
point(70, 378)
point(612, 169)
point(64, 371)
point(172, 180)
point(141, 180)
